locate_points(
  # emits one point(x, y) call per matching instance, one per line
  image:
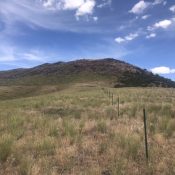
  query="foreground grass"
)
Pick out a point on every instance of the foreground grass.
point(78, 131)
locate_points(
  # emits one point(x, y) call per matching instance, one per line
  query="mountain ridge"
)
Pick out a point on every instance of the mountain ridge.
point(113, 72)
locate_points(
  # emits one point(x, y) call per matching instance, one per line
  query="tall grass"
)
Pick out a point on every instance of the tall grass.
point(78, 131)
point(6, 143)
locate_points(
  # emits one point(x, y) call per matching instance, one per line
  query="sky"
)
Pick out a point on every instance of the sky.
point(33, 32)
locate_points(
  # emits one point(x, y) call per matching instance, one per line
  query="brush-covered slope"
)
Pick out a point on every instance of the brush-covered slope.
point(109, 71)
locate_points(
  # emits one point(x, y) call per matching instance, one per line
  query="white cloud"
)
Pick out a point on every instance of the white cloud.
point(82, 7)
point(71, 5)
point(10, 54)
point(119, 40)
point(163, 70)
point(49, 4)
point(32, 56)
point(165, 3)
point(104, 3)
point(129, 37)
point(95, 18)
point(61, 4)
point(145, 17)
point(156, 2)
point(163, 24)
point(152, 35)
point(33, 14)
point(86, 8)
point(172, 8)
point(140, 7)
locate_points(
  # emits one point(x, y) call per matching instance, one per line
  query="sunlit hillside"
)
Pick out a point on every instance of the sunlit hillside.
point(78, 131)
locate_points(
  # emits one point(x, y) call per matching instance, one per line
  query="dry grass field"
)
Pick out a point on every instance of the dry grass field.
point(77, 131)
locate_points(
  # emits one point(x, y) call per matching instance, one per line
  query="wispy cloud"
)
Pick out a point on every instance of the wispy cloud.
point(95, 18)
point(156, 2)
point(81, 7)
point(162, 70)
point(51, 14)
point(144, 17)
point(152, 35)
point(86, 8)
point(7, 53)
point(164, 24)
point(33, 55)
point(172, 8)
point(11, 54)
point(104, 3)
point(142, 6)
point(129, 37)
point(120, 40)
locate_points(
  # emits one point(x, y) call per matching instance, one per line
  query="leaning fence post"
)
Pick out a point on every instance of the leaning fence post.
point(145, 132)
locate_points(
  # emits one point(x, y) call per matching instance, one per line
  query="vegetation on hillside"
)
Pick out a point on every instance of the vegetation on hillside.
point(111, 72)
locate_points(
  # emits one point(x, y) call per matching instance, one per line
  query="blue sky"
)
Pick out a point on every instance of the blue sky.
point(140, 32)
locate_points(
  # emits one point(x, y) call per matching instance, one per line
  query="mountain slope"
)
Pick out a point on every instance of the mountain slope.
point(109, 71)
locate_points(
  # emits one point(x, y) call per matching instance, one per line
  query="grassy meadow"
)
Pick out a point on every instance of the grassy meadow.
point(77, 131)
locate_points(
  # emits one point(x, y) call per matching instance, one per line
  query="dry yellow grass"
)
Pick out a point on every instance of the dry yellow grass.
point(78, 132)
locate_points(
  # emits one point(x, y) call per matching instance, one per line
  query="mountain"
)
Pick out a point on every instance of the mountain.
point(108, 71)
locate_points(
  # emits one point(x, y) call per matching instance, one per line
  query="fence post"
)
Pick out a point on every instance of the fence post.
point(118, 106)
point(112, 99)
point(145, 132)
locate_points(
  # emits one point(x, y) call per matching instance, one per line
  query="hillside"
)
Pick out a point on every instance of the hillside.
point(108, 71)
point(77, 131)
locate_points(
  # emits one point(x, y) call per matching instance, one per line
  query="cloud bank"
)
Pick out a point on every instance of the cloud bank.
point(163, 70)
